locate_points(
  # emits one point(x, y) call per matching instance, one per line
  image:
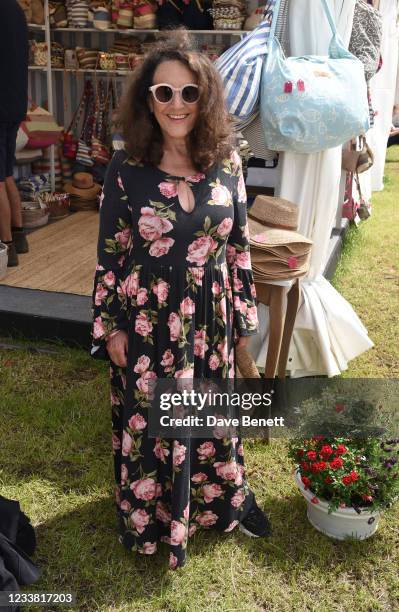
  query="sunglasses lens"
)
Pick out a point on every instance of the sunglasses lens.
point(190, 94)
point(163, 94)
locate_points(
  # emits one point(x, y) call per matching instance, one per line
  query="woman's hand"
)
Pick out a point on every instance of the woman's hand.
point(117, 348)
point(242, 342)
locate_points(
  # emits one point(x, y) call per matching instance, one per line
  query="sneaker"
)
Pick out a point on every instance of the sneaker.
point(12, 255)
point(20, 241)
point(256, 524)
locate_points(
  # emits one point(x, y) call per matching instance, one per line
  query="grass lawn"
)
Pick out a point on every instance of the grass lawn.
point(55, 459)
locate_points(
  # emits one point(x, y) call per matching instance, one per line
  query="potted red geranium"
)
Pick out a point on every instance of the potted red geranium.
point(346, 482)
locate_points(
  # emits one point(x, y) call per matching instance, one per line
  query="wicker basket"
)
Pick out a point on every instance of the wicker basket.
point(3, 260)
point(58, 204)
point(35, 217)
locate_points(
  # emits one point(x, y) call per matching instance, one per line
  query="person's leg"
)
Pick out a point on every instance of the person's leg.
point(18, 235)
point(5, 210)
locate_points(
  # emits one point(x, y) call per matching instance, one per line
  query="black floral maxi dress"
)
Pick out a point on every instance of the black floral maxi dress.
point(181, 285)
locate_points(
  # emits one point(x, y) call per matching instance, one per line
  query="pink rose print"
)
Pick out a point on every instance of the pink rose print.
point(253, 290)
point(222, 307)
point(142, 296)
point(142, 325)
point(216, 288)
point(98, 328)
point(167, 360)
point(179, 453)
point(177, 533)
point(206, 450)
point(161, 247)
point(238, 498)
point(223, 351)
point(142, 382)
point(123, 237)
point(191, 530)
point(125, 505)
point(186, 512)
point(142, 364)
point(130, 285)
point(116, 443)
point(243, 307)
point(241, 191)
point(207, 518)
point(231, 526)
point(126, 444)
point(230, 254)
point(187, 373)
point(151, 226)
point(169, 190)
point(174, 324)
point(200, 250)
point(198, 274)
point(139, 519)
point(252, 316)
point(221, 196)
point(101, 199)
point(224, 227)
point(226, 470)
point(243, 260)
point(214, 362)
point(195, 178)
point(237, 284)
point(117, 495)
point(211, 491)
point(240, 473)
point(124, 473)
point(240, 450)
point(162, 513)
point(172, 561)
point(149, 548)
point(99, 268)
point(199, 477)
point(236, 159)
point(187, 307)
point(200, 345)
point(101, 293)
point(161, 290)
point(160, 452)
point(144, 488)
point(137, 422)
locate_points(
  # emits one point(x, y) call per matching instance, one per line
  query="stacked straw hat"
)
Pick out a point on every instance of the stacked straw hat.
point(83, 191)
point(278, 252)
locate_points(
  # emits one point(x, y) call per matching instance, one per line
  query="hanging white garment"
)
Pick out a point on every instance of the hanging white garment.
point(327, 331)
point(383, 90)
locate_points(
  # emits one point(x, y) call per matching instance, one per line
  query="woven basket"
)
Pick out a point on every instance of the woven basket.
point(58, 204)
point(35, 217)
point(3, 260)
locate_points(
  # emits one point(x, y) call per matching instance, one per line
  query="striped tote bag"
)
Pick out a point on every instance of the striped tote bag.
point(241, 68)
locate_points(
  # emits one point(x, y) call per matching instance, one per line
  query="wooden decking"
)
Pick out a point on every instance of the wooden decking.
point(61, 258)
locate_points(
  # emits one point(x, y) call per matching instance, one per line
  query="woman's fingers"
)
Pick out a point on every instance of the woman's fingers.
point(117, 349)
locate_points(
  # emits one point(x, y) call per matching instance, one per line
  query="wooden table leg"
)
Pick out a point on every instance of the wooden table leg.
point(293, 298)
point(275, 329)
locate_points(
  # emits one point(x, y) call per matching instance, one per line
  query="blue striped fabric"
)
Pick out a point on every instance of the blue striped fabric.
point(241, 67)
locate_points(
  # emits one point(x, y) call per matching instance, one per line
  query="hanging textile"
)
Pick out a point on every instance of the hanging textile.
point(328, 333)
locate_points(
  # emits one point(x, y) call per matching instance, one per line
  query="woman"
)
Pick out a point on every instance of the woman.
point(173, 289)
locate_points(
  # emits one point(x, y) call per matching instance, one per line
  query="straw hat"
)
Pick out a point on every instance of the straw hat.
point(83, 186)
point(278, 251)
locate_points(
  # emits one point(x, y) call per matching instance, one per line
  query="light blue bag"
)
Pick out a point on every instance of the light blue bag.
point(312, 103)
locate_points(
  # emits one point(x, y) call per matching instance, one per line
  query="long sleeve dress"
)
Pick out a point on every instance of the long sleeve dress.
point(181, 286)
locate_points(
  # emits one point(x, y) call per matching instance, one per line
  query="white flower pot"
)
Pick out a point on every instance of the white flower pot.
point(341, 523)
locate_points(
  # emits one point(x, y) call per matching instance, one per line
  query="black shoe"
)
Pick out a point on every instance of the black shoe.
point(256, 524)
point(20, 241)
point(12, 255)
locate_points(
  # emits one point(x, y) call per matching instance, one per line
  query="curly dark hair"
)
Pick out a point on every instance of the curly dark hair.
point(211, 139)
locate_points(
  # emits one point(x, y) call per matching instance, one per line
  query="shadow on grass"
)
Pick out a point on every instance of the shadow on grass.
point(80, 552)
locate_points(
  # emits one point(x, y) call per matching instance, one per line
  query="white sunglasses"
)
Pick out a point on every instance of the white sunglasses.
point(163, 93)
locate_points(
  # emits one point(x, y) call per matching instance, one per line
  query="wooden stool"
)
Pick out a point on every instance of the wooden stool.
point(281, 325)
